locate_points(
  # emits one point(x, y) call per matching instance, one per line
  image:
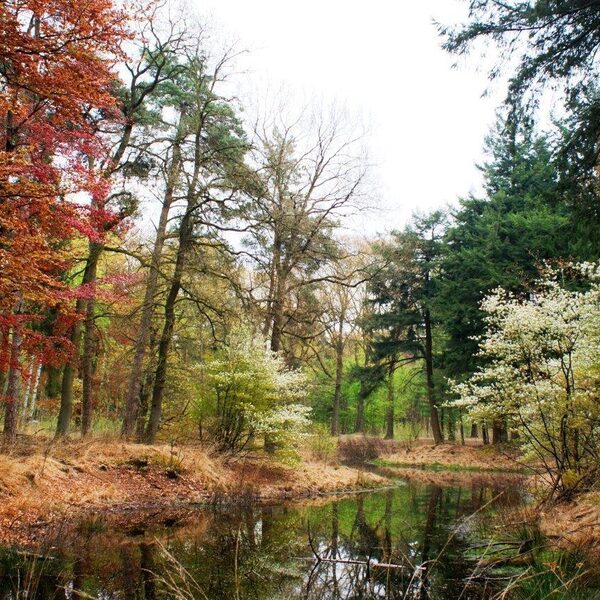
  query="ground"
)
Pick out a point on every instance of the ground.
point(41, 482)
point(451, 456)
point(575, 524)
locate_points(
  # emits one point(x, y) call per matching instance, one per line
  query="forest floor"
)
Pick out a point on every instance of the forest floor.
point(453, 456)
point(41, 482)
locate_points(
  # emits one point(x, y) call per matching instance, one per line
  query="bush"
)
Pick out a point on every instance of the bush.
point(359, 450)
point(247, 393)
point(322, 445)
point(541, 375)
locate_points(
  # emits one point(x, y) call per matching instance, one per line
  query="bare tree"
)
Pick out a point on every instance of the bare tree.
point(310, 172)
point(341, 299)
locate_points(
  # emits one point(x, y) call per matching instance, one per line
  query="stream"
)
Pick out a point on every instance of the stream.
point(413, 540)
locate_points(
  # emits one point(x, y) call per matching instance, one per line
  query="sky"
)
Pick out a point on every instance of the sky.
point(382, 62)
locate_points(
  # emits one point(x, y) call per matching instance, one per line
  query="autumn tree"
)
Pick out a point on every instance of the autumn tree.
point(55, 73)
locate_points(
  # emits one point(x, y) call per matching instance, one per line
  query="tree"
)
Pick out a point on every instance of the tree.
point(55, 73)
point(501, 239)
point(402, 292)
point(541, 373)
point(160, 77)
point(309, 174)
point(213, 148)
point(248, 391)
point(551, 44)
point(129, 156)
point(340, 299)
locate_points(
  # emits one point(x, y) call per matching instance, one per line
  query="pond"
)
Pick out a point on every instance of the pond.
point(413, 540)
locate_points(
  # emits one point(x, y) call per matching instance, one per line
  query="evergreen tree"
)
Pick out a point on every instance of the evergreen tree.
point(501, 239)
point(551, 43)
point(403, 291)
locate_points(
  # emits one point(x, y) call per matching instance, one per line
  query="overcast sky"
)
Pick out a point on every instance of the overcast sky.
point(381, 60)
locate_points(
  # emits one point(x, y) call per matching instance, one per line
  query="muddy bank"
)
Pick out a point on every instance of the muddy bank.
point(45, 484)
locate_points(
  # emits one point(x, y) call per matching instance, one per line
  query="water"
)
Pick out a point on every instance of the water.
point(326, 549)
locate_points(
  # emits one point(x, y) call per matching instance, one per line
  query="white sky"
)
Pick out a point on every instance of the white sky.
point(381, 60)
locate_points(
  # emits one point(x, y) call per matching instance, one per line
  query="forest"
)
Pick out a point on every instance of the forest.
point(192, 309)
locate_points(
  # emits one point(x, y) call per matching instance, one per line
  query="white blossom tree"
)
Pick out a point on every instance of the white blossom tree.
point(542, 373)
point(249, 392)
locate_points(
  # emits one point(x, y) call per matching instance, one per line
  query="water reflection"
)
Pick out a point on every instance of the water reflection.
point(406, 542)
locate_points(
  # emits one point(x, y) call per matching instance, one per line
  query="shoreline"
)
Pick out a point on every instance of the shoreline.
point(42, 487)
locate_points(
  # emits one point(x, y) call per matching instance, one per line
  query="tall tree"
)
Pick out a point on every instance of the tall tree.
point(545, 44)
point(340, 299)
point(212, 150)
point(501, 239)
point(309, 175)
point(55, 73)
point(403, 291)
point(148, 70)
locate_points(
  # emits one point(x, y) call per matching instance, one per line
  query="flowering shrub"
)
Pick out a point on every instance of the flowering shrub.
point(247, 392)
point(282, 428)
point(542, 374)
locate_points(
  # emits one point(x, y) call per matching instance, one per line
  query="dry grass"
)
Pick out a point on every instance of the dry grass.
point(456, 456)
point(574, 525)
point(41, 481)
point(453, 478)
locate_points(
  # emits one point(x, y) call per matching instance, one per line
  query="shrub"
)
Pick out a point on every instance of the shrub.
point(321, 444)
point(542, 374)
point(249, 392)
point(358, 450)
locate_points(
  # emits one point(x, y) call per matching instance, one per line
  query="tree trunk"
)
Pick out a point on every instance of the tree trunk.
point(34, 394)
point(339, 369)
point(497, 432)
point(28, 386)
point(277, 284)
point(359, 426)
point(13, 390)
point(451, 426)
point(135, 377)
point(66, 392)
point(474, 433)
point(389, 416)
point(435, 422)
point(484, 434)
point(89, 342)
point(185, 238)
point(277, 325)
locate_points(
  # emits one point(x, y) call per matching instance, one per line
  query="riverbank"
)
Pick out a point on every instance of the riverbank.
point(42, 483)
point(574, 525)
point(454, 457)
point(570, 526)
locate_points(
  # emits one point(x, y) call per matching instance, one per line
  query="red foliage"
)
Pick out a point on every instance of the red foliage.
point(56, 76)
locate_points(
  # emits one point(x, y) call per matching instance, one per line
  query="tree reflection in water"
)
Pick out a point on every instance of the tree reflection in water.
point(263, 552)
